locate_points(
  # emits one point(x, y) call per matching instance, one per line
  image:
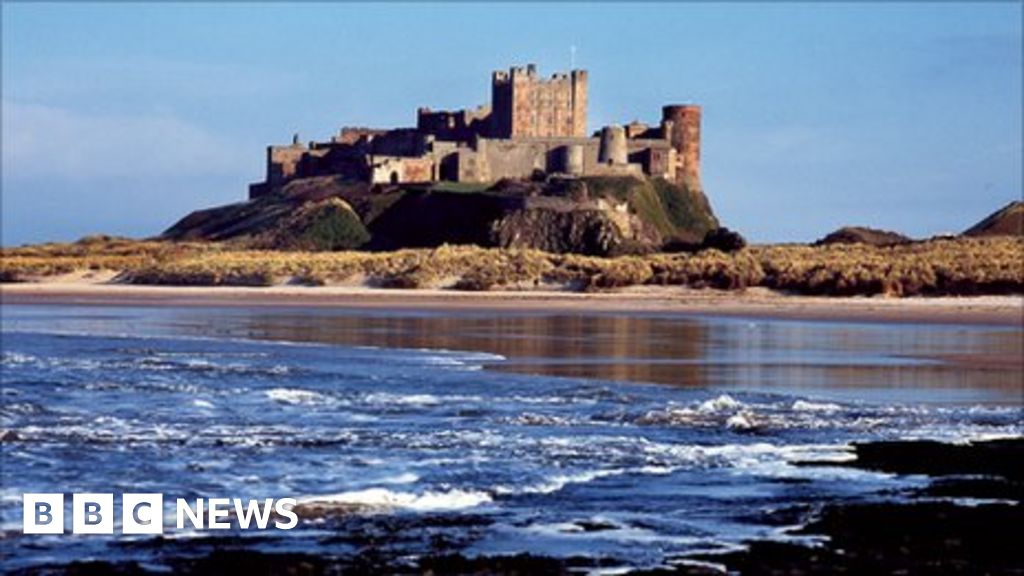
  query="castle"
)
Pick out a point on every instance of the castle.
point(532, 125)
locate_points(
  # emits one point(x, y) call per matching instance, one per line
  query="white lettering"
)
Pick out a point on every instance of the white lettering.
point(283, 507)
point(217, 508)
point(253, 510)
point(185, 510)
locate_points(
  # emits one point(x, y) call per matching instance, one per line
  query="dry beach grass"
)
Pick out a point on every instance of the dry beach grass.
point(956, 266)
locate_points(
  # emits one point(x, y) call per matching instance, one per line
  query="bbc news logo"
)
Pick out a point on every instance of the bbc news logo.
point(144, 513)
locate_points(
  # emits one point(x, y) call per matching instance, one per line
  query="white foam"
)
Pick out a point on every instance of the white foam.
point(908, 422)
point(613, 532)
point(448, 353)
point(805, 406)
point(534, 419)
point(719, 404)
point(384, 499)
point(394, 399)
point(560, 481)
point(16, 358)
point(296, 396)
point(975, 502)
point(387, 398)
point(742, 420)
point(403, 478)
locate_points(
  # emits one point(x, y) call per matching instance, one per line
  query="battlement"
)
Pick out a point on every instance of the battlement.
point(529, 74)
point(531, 123)
point(524, 105)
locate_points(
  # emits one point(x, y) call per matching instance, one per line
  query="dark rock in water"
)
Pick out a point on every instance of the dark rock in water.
point(992, 487)
point(863, 235)
point(724, 240)
point(923, 537)
point(519, 564)
point(1007, 221)
point(994, 457)
point(596, 525)
point(989, 469)
point(889, 538)
point(598, 216)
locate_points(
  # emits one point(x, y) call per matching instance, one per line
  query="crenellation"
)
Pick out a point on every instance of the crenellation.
point(531, 124)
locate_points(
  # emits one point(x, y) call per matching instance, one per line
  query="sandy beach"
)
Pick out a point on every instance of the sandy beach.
point(757, 303)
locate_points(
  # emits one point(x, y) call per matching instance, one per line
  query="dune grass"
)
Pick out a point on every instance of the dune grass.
point(961, 266)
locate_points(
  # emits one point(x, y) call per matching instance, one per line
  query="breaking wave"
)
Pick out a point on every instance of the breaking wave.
point(381, 500)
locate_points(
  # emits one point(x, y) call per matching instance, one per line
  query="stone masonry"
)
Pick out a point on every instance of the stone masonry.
point(532, 125)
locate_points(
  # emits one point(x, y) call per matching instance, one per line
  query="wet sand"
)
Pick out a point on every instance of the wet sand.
point(754, 303)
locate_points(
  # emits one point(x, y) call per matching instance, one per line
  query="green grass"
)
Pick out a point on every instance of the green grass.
point(686, 206)
point(335, 227)
point(647, 204)
point(618, 187)
point(461, 187)
point(670, 208)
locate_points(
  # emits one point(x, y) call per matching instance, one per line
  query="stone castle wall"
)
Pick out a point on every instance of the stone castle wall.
point(532, 124)
point(458, 125)
point(283, 162)
point(494, 159)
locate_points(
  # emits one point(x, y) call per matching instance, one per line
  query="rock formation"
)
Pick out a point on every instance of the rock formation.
point(599, 216)
point(863, 235)
point(1007, 221)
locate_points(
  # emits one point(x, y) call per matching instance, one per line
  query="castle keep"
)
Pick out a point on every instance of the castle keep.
point(532, 125)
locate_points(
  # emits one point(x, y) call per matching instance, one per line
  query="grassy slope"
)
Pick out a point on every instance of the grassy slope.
point(674, 211)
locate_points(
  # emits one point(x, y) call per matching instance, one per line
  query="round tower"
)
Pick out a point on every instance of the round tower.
point(682, 124)
point(572, 160)
point(613, 146)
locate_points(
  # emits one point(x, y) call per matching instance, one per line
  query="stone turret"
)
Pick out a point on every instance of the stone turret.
point(682, 126)
point(613, 149)
point(572, 159)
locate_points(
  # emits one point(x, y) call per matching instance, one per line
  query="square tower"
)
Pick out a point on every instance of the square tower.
point(525, 106)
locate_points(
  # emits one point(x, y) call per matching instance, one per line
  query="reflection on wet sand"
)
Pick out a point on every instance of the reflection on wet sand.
point(674, 349)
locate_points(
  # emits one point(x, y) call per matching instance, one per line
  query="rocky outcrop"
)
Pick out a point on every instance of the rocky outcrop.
point(579, 231)
point(863, 235)
point(1007, 221)
point(597, 216)
point(723, 240)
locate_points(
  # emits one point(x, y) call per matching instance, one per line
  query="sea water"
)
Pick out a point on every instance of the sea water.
point(640, 439)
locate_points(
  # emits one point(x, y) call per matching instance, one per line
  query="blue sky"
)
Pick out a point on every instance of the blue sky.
point(120, 118)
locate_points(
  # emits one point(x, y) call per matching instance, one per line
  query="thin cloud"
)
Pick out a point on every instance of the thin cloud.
point(56, 143)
